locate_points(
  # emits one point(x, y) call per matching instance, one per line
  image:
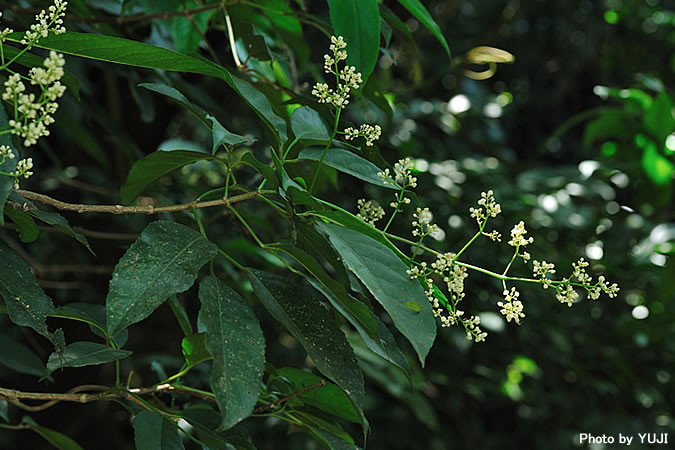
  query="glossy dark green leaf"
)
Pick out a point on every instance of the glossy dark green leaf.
point(25, 225)
point(27, 304)
point(659, 119)
point(325, 431)
point(154, 166)
point(358, 21)
point(4, 410)
point(155, 432)
point(234, 338)
point(80, 354)
point(307, 124)
point(206, 420)
point(134, 53)
point(163, 261)
point(384, 274)
point(417, 9)
point(51, 218)
point(20, 358)
point(347, 162)
point(311, 324)
point(328, 398)
point(8, 166)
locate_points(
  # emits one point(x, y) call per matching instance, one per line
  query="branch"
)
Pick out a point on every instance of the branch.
point(77, 395)
point(289, 397)
point(119, 209)
point(127, 19)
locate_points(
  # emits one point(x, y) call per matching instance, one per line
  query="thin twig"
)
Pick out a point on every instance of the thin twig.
point(119, 209)
point(288, 397)
point(127, 19)
point(77, 395)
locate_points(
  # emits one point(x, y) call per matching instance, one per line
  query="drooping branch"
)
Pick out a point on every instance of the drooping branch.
point(119, 209)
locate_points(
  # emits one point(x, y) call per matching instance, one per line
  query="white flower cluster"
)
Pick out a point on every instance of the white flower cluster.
point(35, 114)
point(540, 269)
point(5, 154)
point(370, 132)
point(492, 208)
point(565, 293)
point(46, 21)
point(402, 175)
point(423, 226)
point(473, 331)
point(369, 212)
point(347, 78)
point(518, 238)
point(513, 308)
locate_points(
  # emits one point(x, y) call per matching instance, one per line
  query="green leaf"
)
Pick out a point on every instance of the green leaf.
point(20, 358)
point(358, 21)
point(263, 169)
point(134, 53)
point(234, 338)
point(328, 398)
point(349, 220)
point(311, 324)
point(307, 123)
point(417, 9)
point(412, 306)
point(206, 420)
point(4, 410)
point(658, 168)
point(29, 60)
point(347, 162)
point(51, 218)
point(659, 119)
point(80, 354)
point(9, 166)
point(25, 225)
point(155, 432)
point(186, 37)
point(194, 349)
point(219, 134)
point(94, 315)
point(154, 166)
point(27, 304)
point(329, 433)
point(58, 440)
point(163, 261)
point(384, 274)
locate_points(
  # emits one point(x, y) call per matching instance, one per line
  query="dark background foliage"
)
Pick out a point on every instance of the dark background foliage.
point(592, 368)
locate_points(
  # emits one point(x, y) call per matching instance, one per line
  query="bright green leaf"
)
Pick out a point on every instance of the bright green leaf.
point(27, 304)
point(328, 398)
point(384, 274)
point(163, 261)
point(155, 432)
point(58, 440)
point(20, 358)
point(347, 162)
point(412, 306)
point(154, 166)
point(358, 21)
point(194, 349)
point(51, 218)
point(80, 354)
point(186, 36)
point(417, 9)
point(25, 225)
point(311, 324)
point(659, 119)
point(658, 168)
point(307, 123)
point(234, 338)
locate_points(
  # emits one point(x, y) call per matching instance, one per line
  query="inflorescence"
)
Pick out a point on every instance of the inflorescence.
point(33, 111)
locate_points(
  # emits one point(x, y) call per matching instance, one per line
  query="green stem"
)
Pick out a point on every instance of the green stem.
point(246, 225)
point(325, 150)
point(475, 236)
